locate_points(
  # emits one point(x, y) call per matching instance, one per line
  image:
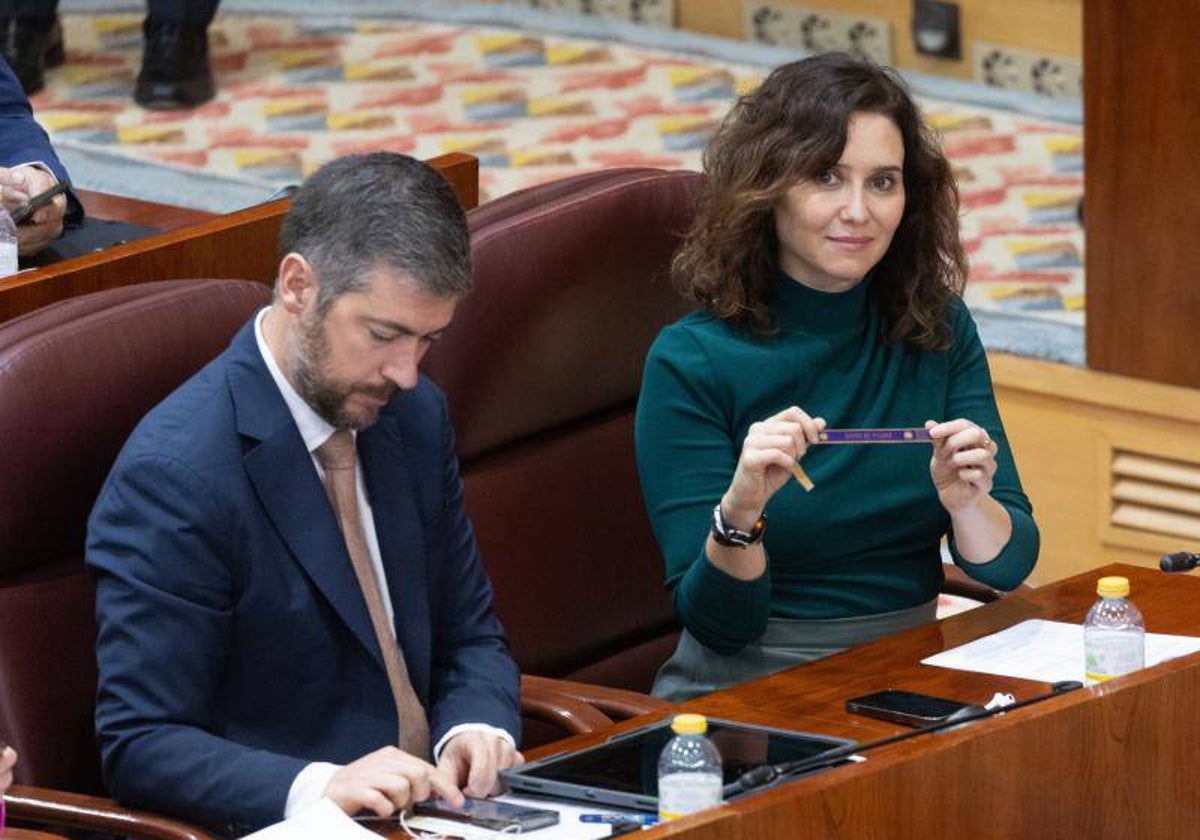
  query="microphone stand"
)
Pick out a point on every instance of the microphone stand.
point(769, 773)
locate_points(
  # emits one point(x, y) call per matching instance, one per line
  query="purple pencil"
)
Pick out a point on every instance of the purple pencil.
point(913, 434)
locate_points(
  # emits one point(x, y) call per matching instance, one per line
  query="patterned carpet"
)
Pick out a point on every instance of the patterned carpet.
point(536, 108)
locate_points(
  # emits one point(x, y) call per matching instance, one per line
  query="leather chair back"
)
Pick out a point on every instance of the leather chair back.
point(75, 378)
point(542, 367)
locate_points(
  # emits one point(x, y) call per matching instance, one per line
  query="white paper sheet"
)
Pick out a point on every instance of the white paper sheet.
point(1048, 651)
point(322, 819)
point(327, 821)
point(569, 826)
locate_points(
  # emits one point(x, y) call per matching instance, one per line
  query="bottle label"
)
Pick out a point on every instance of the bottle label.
point(680, 794)
point(1111, 653)
point(8, 258)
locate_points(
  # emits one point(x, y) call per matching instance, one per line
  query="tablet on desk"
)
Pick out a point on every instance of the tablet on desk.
point(623, 771)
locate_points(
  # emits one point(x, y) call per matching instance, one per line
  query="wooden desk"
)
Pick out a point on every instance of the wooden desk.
point(240, 245)
point(164, 217)
point(1114, 761)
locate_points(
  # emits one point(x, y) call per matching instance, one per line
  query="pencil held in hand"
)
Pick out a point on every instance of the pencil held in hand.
point(802, 477)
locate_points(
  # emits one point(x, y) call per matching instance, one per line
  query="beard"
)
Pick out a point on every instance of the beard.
point(308, 353)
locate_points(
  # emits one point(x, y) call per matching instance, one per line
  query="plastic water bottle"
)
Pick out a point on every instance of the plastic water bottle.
point(8, 244)
point(689, 770)
point(1114, 633)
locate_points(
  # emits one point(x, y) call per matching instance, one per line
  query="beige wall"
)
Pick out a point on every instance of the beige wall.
point(1050, 26)
point(1065, 426)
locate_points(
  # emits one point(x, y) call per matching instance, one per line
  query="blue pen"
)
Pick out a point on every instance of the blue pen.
point(644, 819)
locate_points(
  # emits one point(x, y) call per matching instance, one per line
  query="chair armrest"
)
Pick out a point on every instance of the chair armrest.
point(540, 701)
point(617, 703)
point(55, 808)
point(960, 583)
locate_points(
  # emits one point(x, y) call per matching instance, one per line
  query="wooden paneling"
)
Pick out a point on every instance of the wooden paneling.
point(1142, 187)
point(710, 17)
point(1064, 425)
point(239, 245)
point(1050, 26)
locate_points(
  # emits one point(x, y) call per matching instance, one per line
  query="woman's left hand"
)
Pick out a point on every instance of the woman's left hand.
point(963, 463)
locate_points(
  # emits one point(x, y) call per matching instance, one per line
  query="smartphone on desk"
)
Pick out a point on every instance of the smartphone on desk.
point(489, 813)
point(906, 707)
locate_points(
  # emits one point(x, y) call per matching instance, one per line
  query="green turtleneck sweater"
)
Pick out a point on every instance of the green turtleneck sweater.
point(866, 539)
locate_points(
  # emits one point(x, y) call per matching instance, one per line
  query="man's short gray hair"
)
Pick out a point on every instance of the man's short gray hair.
point(361, 212)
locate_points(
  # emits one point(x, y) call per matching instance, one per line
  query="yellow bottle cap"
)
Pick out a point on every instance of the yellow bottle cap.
point(689, 724)
point(1113, 587)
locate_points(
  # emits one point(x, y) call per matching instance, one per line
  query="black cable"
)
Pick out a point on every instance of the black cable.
point(768, 773)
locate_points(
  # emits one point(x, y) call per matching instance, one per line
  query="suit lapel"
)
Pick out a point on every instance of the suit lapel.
point(389, 480)
point(281, 470)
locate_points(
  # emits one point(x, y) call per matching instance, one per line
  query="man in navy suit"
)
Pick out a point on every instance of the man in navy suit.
point(28, 166)
point(240, 678)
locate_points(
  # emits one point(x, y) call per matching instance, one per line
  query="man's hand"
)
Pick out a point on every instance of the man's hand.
point(387, 781)
point(474, 759)
point(17, 186)
point(8, 758)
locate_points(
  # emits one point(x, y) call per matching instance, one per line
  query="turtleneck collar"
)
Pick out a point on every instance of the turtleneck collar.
point(798, 305)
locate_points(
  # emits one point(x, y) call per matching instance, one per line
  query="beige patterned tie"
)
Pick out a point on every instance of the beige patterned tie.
point(337, 459)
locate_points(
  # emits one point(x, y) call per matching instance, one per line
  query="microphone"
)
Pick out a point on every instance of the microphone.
point(1180, 561)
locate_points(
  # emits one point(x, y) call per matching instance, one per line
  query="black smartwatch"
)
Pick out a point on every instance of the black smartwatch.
point(726, 535)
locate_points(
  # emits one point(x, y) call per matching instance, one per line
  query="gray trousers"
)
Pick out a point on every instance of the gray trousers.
point(694, 669)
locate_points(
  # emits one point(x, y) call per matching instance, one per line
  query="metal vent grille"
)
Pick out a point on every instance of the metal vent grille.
point(1155, 495)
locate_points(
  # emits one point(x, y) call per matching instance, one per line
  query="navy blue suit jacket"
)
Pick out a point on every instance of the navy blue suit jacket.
point(22, 140)
point(234, 644)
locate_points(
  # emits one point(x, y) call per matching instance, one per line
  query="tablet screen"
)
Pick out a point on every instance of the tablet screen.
point(629, 763)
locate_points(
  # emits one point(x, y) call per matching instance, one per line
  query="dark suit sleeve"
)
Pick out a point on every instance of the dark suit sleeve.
point(474, 677)
point(22, 140)
point(164, 605)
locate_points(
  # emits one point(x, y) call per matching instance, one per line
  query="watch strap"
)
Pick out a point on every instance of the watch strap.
point(725, 534)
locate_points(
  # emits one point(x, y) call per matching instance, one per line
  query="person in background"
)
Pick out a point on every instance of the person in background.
point(28, 166)
point(826, 263)
point(175, 70)
point(290, 600)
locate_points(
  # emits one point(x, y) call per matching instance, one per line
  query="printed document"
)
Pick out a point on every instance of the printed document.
point(1048, 651)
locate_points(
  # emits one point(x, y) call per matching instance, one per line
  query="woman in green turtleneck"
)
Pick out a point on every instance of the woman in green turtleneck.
point(826, 262)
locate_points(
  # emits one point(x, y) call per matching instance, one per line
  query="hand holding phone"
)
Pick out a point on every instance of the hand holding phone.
point(906, 707)
point(25, 211)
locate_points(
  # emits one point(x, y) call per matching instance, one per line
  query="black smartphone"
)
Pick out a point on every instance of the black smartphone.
point(907, 707)
point(28, 208)
point(489, 813)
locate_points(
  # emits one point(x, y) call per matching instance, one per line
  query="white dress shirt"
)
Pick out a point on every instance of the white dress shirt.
point(309, 785)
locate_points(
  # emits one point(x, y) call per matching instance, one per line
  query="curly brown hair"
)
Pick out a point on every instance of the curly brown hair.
point(793, 127)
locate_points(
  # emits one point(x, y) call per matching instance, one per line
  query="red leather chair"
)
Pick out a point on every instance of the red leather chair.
point(542, 367)
point(75, 378)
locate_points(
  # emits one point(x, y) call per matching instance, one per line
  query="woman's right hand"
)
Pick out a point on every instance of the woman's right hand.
point(772, 446)
point(8, 758)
